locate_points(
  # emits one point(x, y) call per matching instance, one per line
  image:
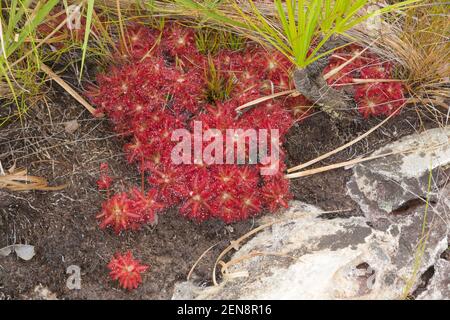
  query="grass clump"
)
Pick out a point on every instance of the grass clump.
point(210, 40)
point(293, 27)
point(218, 87)
point(417, 40)
point(19, 47)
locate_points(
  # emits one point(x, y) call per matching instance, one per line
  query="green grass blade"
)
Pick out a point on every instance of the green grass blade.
point(90, 10)
point(31, 26)
point(282, 17)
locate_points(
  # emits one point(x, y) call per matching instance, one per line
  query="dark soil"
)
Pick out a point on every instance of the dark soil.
point(320, 134)
point(62, 225)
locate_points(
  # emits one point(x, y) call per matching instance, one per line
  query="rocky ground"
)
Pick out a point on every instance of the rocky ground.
point(399, 248)
point(365, 246)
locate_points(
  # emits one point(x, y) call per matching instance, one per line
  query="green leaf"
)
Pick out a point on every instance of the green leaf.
point(31, 26)
point(90, 10)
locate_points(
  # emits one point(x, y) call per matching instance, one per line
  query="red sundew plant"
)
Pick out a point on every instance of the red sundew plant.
point(125, 211)
point(159, 85)
point(379, 95)
point(146, 204)
point(127, 270)
point(379, 98)
point(179, 41)
point(119, 212)
point(137, 43)
point(104, 182)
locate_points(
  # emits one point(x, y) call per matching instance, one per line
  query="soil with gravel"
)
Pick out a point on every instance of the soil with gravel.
point(62, 225)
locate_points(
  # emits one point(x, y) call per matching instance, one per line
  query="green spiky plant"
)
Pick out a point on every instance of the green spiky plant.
point(305, 31)
point(218, 88)
point(207, 41)
point(210, 40)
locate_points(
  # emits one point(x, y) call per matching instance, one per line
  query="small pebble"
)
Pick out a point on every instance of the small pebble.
point(71, 126)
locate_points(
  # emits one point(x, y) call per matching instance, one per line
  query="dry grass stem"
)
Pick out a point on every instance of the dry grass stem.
point(328, 154)
point(352, 162)
point(199, 259)
point(262, 99)
point(19, 180)
point(236, 245)
point(69, 90)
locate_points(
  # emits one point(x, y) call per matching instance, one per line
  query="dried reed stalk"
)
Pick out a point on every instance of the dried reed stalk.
point(19, 180)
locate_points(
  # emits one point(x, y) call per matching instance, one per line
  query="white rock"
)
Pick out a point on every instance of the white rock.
point(370, 257)
point(439, 286)
point(307, 257)
point(384, 185)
